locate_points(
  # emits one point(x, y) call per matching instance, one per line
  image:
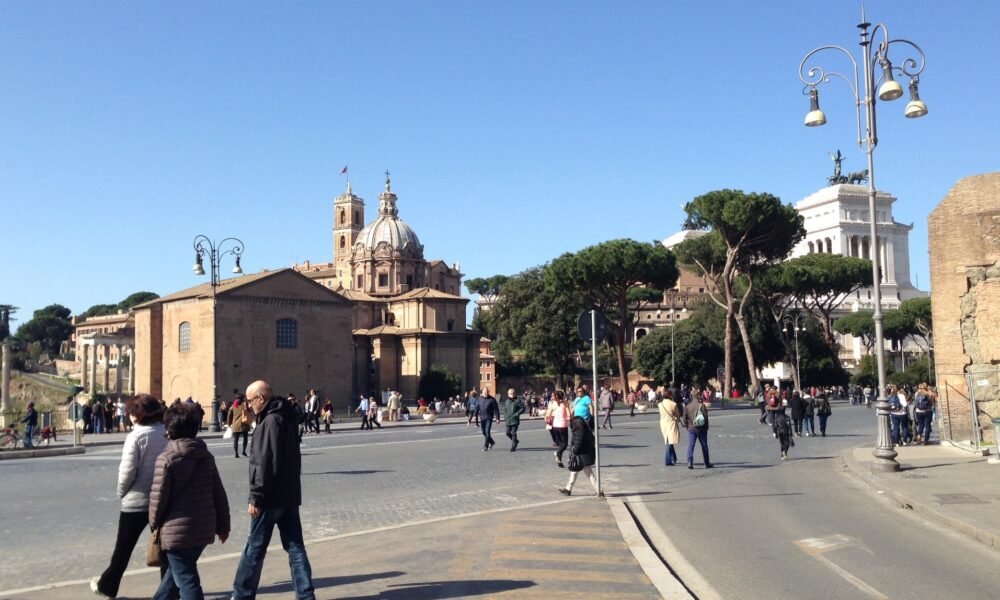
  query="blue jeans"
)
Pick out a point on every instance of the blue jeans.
point(252, 561)
point(29, 430)
point(181, 575)
point(822, 423)
point(900, 428)
point(701, 436)
point(924, 420)
point(486, 425)
point(669, 455)
point(809, 425)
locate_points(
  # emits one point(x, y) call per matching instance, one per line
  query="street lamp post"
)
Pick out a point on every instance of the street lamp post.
point(203, 246)
point(877, 66)
point(673, 297)
point(792, 321)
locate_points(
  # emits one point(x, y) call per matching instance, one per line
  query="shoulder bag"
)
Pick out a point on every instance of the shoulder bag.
point(154, 556)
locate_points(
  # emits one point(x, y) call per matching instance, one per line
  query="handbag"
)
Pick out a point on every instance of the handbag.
point(154, 556)
point(550, 420)
point(228, 434)
point(575, 463)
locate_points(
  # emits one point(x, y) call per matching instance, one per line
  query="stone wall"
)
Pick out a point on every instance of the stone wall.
point(964, 232)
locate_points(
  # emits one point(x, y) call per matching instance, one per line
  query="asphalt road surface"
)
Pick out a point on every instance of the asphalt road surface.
point(754, 527)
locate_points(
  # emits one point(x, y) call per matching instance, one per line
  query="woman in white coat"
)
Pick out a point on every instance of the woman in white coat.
point(670, 417)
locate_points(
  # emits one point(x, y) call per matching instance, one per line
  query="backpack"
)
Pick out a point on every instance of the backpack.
point(923, 402)
point(699, 419)
point(894, 404)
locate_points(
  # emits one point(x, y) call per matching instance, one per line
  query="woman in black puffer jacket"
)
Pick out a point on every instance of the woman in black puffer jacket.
point(187, 504)
point(582, 447)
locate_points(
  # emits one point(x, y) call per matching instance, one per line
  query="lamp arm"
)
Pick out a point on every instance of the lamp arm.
point(203, 245)
point(911, 66)
point(235, 250)
point(817, 75)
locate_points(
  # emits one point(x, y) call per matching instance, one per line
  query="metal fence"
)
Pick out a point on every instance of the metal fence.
point(969, 412)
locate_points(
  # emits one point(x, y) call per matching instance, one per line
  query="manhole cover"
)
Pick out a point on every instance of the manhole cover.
point(958, 499)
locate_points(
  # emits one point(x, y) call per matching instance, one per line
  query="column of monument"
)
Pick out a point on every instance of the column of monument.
point(131, 370)
point(118, 369)
point(5, 377)
point(83, 366)
point(107, 365)
point(93, 369)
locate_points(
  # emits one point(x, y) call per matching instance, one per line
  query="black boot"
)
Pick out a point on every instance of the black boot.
point(690, 464)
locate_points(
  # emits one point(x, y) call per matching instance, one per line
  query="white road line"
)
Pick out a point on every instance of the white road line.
point(817, 547)
point(320, 540)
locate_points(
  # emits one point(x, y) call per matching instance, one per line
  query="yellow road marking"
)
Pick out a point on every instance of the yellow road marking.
point(569, 557)
point(564, 575)
point(536, 541)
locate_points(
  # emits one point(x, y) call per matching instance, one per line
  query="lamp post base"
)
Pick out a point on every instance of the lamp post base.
point(883, 464)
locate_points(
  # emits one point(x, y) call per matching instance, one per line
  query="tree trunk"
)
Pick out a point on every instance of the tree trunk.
point(728, 377)
point(620, 340)
point(751, 365)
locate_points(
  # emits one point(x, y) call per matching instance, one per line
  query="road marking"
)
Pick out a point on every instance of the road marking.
point(277, 546)
point(817, 547)
point(562, 557)
point(554, 542)
point(562, 574)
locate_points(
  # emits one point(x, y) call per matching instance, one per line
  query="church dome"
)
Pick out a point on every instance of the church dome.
point(391, 230)
point(388, 227)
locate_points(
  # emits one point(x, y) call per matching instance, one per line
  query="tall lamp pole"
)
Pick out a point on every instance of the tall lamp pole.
point(672, 299)
point(879, 69)
point(792, 321)
point(203, 246)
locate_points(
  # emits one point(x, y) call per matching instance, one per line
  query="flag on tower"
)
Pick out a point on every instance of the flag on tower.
point(344, 170)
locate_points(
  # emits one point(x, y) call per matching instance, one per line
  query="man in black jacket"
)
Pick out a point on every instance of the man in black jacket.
point(489, 411)
point(275, 495)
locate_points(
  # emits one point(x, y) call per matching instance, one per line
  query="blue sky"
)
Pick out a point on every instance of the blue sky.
point(514, 131)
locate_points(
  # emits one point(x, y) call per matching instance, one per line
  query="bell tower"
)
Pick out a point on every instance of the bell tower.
point(348, 220)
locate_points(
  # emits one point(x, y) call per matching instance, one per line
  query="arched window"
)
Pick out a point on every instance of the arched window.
point(287, 333)
point(343, 242)
point(184, 337)
point(810, 247)
point(343, 216)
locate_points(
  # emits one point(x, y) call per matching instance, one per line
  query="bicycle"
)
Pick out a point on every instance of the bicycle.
point(9, 438)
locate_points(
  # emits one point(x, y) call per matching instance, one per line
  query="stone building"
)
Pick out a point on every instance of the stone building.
point(376, 318)
point(964, 232)
point(278, 325)
point(102, 350)
point(408, 311)
point(836, 220)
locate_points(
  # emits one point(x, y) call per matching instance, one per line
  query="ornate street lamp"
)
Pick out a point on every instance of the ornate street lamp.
point(792, 320)
point(203, 246)
point(877, 69)
point(672, 299)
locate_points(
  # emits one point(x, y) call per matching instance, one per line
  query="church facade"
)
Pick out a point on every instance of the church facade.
point(408, 311)
point(376, 318)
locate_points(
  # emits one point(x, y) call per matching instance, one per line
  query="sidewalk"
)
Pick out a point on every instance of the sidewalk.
point(944, 484)
point(563, 549)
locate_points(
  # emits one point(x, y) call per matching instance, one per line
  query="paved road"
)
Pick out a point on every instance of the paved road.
point(752, 528)
point(758, 527)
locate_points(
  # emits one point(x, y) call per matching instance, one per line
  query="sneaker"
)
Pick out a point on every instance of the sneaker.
point(97, 590)
point(709, 466)
point(564, 491)
point(560, 465)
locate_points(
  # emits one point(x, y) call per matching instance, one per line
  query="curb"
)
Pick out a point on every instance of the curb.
point(41, 453)
point(874, 483)
point(665, 582)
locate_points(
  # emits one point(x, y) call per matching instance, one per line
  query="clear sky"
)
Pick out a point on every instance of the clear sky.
point(514, 131)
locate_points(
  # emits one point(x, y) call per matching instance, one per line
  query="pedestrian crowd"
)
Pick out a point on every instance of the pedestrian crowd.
point(168, 481)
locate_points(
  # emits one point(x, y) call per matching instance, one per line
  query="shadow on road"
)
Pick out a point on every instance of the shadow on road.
point(739, 497)
point(623, 466)
point(328, 582)
point(355, 472)
point(446, 589)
